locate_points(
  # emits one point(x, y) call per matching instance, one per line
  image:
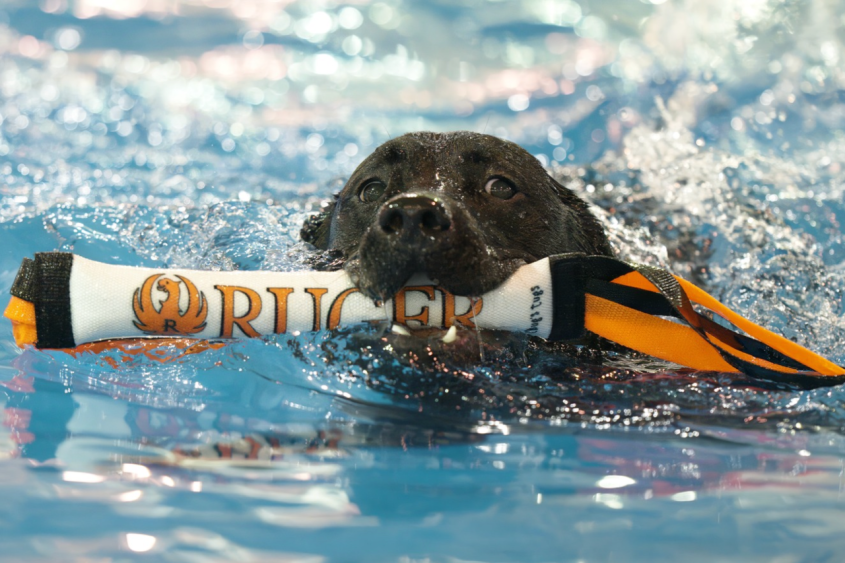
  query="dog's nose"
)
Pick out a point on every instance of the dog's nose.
point(414, 214)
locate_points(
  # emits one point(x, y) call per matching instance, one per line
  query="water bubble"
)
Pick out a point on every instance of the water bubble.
point(315, 27)
point(381, 14)
point(583, 67)
point(253, 39)
point(615, 482)
point(53, 6)
point(281, 23)
point(254, 96)
point(135, 64)
point(29, 46)
point(310, 93)
point(556, 12)
point(68, 38)
point(314, 142)
point(592, 27)
point(415, 70)
point(324, 63)
point(594, 93)
point(73, 114)
point(569, 12)
point(829, 52)
point(21, 122)
point(49, 93)
point(518, 102)
point(350, 18)
point(154, 138)
point(125, 128)
point(352, 45)
point(140, 543)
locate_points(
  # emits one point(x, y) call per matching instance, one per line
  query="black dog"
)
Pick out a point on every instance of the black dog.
point(464, 208)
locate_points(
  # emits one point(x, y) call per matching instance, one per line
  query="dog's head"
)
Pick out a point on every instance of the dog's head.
point(464, 208)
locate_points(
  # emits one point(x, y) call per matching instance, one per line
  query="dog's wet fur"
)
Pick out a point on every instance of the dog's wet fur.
point(464, 208)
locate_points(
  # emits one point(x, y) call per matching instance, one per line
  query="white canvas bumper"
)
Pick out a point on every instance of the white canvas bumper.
point(108, 301)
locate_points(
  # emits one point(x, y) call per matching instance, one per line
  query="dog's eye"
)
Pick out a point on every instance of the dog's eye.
point(500, 188)
point(371, 191)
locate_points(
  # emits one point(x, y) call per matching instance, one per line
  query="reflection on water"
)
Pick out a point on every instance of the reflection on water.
point(388, 489)
point(200, 133)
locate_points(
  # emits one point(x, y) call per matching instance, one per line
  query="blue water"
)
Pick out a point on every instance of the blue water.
point(200, 134)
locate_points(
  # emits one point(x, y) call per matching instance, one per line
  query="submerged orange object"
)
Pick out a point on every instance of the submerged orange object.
point(22, 315)
point(161, 350)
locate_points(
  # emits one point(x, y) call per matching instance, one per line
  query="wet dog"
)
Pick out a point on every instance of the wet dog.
point(464, 208)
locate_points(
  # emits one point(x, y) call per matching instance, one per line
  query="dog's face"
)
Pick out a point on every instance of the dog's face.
point(464, 208)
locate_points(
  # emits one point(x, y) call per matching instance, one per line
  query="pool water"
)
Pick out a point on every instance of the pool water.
point(200, 134)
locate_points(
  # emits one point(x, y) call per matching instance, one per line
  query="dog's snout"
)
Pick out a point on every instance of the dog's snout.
point(413, 215)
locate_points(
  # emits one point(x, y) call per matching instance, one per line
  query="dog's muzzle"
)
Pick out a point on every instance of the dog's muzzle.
point(414, 217)
point(431, 234)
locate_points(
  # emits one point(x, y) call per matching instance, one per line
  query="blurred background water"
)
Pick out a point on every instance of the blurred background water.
point(200, 133)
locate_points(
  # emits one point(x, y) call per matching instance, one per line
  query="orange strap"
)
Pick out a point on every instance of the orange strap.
point(652, 335)
point(795, 351)
point(22, 315)
point(817, 363)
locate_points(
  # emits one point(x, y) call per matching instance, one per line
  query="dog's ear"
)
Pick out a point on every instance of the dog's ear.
point(316, 228)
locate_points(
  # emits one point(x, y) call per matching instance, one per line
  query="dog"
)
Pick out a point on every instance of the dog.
point(464, 208)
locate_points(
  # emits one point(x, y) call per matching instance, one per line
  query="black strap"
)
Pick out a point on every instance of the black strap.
point(25, 285)
point(632, 297)
point(569, 278)
point(571, 274)
point(52, 303)
point(749, 345)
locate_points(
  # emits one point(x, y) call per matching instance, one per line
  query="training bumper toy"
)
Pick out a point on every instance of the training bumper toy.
point(60, 300)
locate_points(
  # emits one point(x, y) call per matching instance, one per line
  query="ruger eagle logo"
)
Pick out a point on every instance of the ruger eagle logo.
point(168, 319)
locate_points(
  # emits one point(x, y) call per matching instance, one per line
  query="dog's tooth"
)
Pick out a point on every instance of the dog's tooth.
point(450, 335)
point(399, 329)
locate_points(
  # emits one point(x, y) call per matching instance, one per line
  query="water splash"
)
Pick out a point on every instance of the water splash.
point(708, 136)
